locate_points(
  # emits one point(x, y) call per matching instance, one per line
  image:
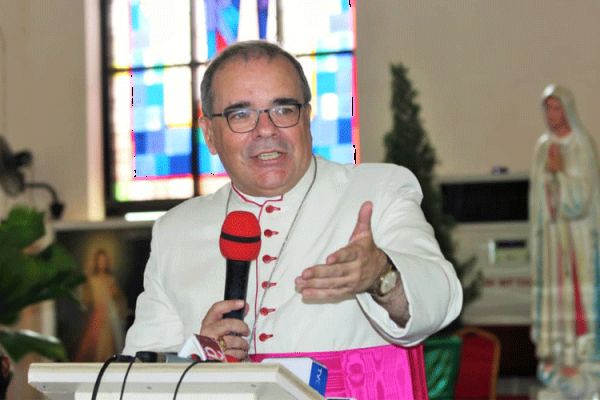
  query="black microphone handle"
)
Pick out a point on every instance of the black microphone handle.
point(236, 285)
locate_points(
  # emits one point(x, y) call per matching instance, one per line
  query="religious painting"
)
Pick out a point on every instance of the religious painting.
point(113, 260)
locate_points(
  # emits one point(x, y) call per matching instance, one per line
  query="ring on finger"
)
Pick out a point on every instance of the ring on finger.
point(222, 343)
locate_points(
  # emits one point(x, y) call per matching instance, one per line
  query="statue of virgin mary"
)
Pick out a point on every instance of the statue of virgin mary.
point(564, 211)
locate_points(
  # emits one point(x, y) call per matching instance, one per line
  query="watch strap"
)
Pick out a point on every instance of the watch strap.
point(375, 289)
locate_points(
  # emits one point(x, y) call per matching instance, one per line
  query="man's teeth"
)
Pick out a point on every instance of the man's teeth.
point(269, 156)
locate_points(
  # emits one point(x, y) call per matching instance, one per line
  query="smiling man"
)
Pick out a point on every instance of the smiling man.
point(349, 271)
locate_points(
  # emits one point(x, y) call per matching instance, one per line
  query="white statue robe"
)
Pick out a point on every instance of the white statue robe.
point(565, 251)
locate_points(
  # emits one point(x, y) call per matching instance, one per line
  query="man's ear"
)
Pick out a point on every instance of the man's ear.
point(207, 130)
point(307, 110)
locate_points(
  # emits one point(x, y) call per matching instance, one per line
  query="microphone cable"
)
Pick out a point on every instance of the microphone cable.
point(133, 359)
point(107, 362)
point(182, 375)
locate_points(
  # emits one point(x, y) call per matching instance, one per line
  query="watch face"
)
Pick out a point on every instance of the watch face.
point(388, 282)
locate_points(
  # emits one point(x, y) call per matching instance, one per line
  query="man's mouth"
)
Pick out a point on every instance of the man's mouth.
point(268, 156)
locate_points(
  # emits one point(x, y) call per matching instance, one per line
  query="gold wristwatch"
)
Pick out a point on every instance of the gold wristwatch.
point(386, 282)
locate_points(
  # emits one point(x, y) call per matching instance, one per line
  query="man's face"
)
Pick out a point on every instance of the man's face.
point(555, 115)
point(267, 161)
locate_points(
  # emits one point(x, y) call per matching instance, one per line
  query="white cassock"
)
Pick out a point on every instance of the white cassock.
point(185, 274)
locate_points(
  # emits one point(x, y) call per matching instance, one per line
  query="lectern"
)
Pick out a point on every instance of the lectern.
point(148, 381)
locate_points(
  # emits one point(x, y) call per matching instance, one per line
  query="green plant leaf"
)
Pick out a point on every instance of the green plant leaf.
point(18, 343)
point(23, 226)
point(26, 280)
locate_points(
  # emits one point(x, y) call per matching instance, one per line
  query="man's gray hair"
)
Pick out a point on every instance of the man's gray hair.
point(252, 49)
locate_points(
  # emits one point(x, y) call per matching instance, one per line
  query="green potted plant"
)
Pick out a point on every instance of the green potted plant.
point(33, 268)
point(407, 144)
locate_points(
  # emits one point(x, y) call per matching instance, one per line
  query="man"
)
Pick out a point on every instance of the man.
point(564, 200)
point(347, 266)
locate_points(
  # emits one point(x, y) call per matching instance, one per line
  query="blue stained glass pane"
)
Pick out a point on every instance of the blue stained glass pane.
point(145, 166)
point(161, 120)
point(162, 164)
point(344, 131)
point(326, 82)
point(208, 163)
point(135, 16)
point(155, 142)
point(323, 152)
point(343, 79)
point(154, 118)
point(263, 14)
point(179, 165)
point(339, 22)
point(342, 153)
point(139, 119)
point(228, 23)
point(178, 141)
point(147, 118)
point(140, 143)
point(154, 94)
point(345, 106)
point(222, 22)
point(211, 37)
point(138, 92)
point(327, 132)
point(331, 123)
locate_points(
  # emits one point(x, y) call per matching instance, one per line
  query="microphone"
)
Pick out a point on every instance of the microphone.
point(239, 244)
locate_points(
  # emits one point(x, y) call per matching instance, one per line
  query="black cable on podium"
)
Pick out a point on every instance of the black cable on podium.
point(109, 360)
point(133, 359)
point(182, 375)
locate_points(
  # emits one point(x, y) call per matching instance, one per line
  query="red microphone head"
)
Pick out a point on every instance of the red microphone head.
point(240, 236)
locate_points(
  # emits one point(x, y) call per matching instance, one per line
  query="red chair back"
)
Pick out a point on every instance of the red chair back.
point(478, 368)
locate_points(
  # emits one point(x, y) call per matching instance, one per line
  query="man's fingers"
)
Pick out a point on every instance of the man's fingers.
point(214, 325)
point(327, 283)
point(228, 326)
point(363, 222)
point(325, 294)
point(236, 346)
point(323, 271)
point(344, 255)
point(215, 313)
point(239, 354)
point(236, 343)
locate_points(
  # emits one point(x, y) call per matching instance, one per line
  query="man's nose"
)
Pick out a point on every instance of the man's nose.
point(264, 126)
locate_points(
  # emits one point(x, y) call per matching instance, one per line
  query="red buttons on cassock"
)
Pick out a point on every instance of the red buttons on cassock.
point(271, 208)
point(267, 284)
point(266, 310)
point(267, 258)
point(269, 233)
point(264, 337)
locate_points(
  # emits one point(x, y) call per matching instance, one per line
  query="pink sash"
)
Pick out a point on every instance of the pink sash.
point(374, 373)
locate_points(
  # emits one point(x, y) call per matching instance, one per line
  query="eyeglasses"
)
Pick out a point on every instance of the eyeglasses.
point(243, 120)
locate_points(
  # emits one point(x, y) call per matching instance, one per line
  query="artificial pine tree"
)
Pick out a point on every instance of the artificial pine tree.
point(407, 145)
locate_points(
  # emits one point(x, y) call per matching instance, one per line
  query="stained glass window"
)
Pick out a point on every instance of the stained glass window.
point(155, 56)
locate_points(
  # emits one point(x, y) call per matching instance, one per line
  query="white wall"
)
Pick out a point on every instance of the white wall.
point(479, 66)
point(46, 107)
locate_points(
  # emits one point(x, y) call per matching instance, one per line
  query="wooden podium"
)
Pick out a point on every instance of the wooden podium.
point(214, 381)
